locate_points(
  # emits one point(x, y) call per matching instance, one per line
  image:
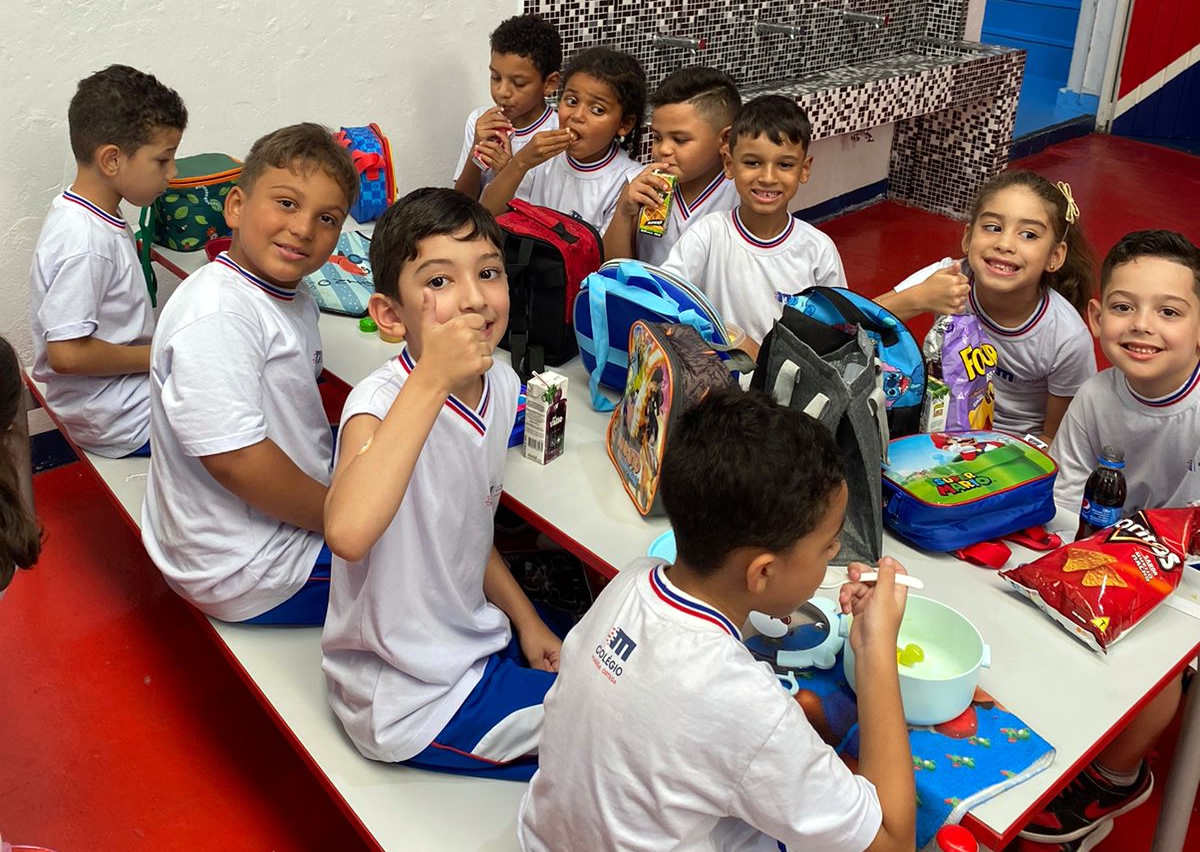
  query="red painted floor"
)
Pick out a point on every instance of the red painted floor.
point(123, 728)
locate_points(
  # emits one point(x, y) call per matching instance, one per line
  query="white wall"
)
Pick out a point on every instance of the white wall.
point(975, 10)
point(243, 68)
point(845, 163)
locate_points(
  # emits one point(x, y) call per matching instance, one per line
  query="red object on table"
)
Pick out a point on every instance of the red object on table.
point(955, 838)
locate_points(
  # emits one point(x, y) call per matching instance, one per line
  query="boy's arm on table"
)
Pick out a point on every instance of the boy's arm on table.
point(265, 477)
point(885, 757)
point(91, 356)
point(538, 150)
point(538, 643)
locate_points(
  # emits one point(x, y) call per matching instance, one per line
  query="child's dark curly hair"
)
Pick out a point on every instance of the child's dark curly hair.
point(121, 106)
point(533, 37)
point(624, 75)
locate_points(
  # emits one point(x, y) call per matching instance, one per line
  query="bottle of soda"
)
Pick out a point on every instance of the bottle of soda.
point(1104, 494)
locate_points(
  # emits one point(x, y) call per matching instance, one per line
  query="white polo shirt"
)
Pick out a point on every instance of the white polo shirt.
point(663, 732)
point(234, 361)
point(587, 191)
point(409, 630)
point(747, 279)
point(86, 281)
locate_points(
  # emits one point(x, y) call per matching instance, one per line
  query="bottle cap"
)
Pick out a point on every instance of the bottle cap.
point(1112, 456)
point(367, 325)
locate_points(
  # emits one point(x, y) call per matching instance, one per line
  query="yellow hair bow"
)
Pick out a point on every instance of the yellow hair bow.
point(1072, 207)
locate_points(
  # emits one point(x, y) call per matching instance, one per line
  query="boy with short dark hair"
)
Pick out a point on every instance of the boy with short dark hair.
point(752, 260)
point(524, 69)
point(234, 504)
point(1148, 404)
point(693, 109)
point(420, 658)
point(90, 311)
point(662, 732)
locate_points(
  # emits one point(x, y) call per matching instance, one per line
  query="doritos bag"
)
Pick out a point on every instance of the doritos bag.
point(671, 368)
point(1100, 587)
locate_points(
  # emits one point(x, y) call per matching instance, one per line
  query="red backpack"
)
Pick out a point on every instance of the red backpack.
point(547, 255)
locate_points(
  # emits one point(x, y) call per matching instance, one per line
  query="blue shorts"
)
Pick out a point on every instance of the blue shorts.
point(142, 452)
point(496, 731)
point(308, 605)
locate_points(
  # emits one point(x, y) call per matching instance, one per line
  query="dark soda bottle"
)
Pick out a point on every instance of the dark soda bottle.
point(1104, 494)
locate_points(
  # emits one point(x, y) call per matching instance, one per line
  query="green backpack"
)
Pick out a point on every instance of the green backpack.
point(192, 210)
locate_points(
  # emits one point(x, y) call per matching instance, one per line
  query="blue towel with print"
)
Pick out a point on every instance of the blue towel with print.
point(343, 285)
point(959, 764)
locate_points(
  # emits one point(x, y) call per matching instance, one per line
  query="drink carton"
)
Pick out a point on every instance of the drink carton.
point(545, 416)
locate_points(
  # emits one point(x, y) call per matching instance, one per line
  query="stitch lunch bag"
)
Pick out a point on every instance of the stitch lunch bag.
point(192, 209)
point(671, 368)
point(372, 156)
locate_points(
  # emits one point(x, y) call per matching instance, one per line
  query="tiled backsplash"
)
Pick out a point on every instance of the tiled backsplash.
point(852, 64)
point(826, 38)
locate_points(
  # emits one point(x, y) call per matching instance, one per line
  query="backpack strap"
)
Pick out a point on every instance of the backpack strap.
point(854, 314)
point(986, 554)
point(1035, 538)
point(144, 237)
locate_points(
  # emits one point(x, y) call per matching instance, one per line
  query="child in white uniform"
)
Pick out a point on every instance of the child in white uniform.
point(582, 168)
point(693, 108)
point(750, 261)
point(662, 732)
point(1031, 278)
point(1147, 404)
point(420, 659)
point(526, 56)
point(90, 310)
point(242, 447)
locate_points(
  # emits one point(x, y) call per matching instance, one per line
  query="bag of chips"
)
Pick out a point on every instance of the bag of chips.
point(961, 361)
point(1100, 587)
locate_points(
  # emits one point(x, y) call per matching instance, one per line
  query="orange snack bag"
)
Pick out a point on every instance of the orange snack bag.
point(1101, 586)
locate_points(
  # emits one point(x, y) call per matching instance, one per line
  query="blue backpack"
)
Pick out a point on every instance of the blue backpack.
point(951, 490)
point(898, 350)
point(372, 156)
point(619, 294)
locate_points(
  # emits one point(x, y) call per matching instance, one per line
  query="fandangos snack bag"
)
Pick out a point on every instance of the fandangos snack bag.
point(1101, 586)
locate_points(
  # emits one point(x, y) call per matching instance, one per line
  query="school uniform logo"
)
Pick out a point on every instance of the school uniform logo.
point(612, 652)
point(318, 357)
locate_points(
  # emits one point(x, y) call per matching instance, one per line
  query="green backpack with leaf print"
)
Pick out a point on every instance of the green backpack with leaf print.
point(192, 210)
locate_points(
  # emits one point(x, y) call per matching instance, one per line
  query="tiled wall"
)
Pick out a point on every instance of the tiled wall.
point(953, 104)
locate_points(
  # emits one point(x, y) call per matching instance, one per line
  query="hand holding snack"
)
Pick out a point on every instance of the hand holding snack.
point(544, 145)
point(492, 125)
point(645, 190)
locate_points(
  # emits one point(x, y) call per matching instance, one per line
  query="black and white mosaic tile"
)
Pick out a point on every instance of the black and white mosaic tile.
point(852, 64)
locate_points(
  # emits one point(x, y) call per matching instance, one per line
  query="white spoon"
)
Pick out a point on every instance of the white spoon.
point(901, 579)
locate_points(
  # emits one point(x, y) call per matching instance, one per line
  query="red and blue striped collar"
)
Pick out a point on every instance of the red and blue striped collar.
point(1023, 328)
point(599, 164)
point(283, 294)
point(688, 210)
point(533, 128)
point(777, 240)
point(1174, 396)
point(472, 417)
point(676, 599)
point(115, 221)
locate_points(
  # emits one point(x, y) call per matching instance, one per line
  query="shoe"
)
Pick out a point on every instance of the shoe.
point(1086, 803)
point(1080, 844)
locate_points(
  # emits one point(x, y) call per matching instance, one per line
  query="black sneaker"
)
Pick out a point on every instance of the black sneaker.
point(1086, 803)
point(1080, 844)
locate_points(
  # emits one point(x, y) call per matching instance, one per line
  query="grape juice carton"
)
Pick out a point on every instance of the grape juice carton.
point(545, 416)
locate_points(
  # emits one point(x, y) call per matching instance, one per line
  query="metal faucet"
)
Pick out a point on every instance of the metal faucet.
point(662, 42)
point(875, 21)
point(765, 28)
